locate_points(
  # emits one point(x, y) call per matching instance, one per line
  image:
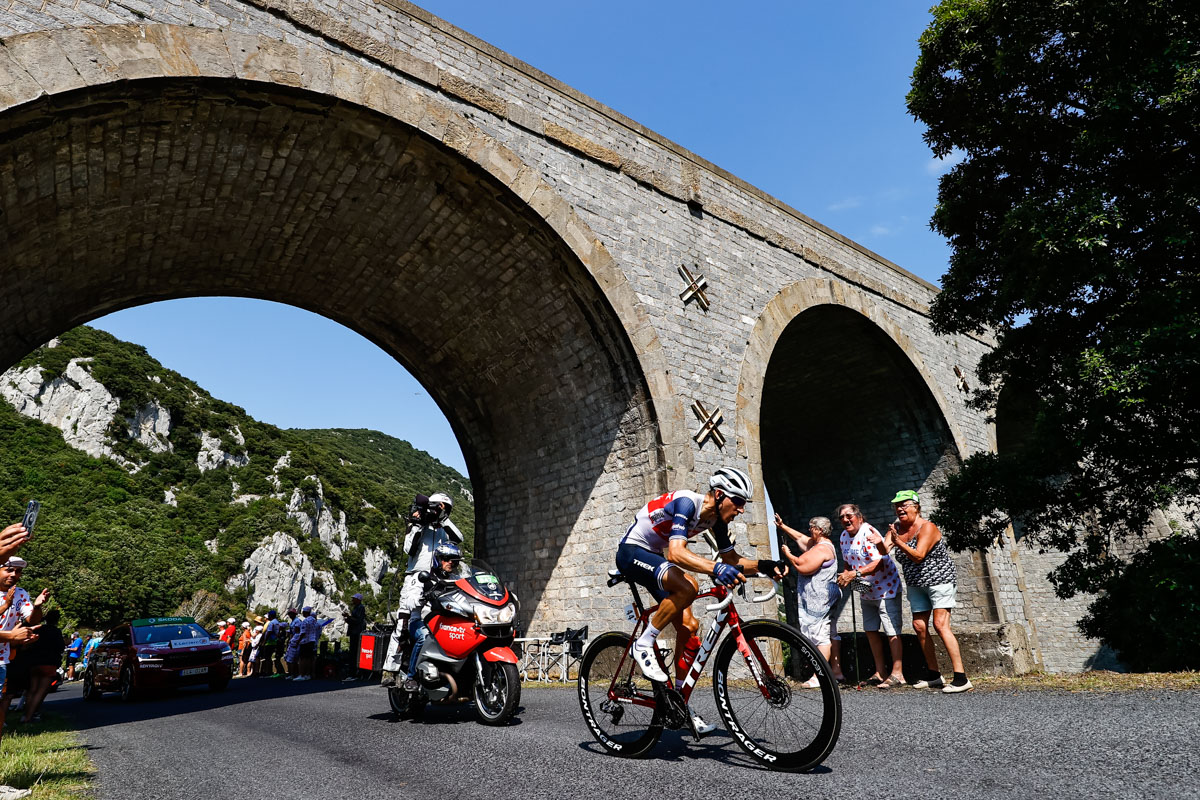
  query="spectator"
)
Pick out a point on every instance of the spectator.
point(44, 657)
point(274, 639)
point(74, 651)
point(932, 587)
point(881, 597)
point(255, 642)
point(228, 631)
point(15, 608)
point(292, 654)
point(310, 633)
point(817, 591)
point(244, 648)
point(356, 621)
point(88, 648)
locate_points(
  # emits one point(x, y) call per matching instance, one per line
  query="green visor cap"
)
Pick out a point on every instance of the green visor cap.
point(906, 495)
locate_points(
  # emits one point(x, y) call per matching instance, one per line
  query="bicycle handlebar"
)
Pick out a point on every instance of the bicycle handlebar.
point(774, 590)
point(718, 606)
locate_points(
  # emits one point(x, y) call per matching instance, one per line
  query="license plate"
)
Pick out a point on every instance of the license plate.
point(193, 671)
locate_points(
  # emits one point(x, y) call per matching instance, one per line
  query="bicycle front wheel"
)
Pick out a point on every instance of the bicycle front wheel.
point(622, 708)
point(764, 702)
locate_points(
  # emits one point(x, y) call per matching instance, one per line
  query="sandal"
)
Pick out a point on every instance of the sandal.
point(892, 682)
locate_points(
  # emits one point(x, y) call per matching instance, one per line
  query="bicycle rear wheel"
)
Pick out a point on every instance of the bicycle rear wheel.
point(609, 682)
point(761, 699)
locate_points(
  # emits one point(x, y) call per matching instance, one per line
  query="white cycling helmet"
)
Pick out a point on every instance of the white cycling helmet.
point(732, 482)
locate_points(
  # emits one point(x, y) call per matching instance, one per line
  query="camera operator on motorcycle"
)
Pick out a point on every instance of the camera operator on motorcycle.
point(429, 526)
point(654, 554)
point(446, 558)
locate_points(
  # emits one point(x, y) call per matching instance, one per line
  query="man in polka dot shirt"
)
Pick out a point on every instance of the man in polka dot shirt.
point(881, 595)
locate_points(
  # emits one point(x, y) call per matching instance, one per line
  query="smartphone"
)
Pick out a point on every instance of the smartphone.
point(31, 515)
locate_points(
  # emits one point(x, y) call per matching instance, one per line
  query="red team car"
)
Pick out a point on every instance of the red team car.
point(156, 653)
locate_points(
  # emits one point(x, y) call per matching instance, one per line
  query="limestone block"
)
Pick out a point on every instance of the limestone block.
point(90, 63)
point(173, 47)
point(316, 69)
point(130, 50)
point(40, 55)
point(453, 85)
point(16, 85)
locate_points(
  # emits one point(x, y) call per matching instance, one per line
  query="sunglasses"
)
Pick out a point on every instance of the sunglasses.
point(738, 502)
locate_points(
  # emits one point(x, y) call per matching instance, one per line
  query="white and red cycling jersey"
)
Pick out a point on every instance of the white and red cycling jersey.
point(674, 515)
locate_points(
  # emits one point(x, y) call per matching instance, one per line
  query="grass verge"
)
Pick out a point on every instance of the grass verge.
point(47, 757)
point(1096, 681)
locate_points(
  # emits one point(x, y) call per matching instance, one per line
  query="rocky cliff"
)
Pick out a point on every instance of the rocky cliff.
point(272, 518)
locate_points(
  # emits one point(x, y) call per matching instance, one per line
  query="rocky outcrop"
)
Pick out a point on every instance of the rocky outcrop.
point(151, 426)
point(83, 409)
point(212, 456)
point(317, 520)
point(278, 575)
point(75, 403)
point(376, 564)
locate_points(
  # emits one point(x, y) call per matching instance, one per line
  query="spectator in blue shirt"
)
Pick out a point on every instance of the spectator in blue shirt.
point(74, 651)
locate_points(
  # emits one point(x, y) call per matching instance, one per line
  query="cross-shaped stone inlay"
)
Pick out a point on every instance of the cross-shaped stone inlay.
point(709, 422)
point(695, 288)
point(963, 386)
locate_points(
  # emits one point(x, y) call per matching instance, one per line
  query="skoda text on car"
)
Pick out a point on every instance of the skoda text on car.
point(156, 653)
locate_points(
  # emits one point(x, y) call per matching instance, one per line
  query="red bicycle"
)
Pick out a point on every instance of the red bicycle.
point(758, 679)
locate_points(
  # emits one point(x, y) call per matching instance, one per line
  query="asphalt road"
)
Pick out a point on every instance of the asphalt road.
point(273, 739)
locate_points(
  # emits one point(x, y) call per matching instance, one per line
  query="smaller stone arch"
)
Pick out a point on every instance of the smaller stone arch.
point(792, 301)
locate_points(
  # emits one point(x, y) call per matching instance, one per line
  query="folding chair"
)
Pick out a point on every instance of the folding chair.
point(574, 641)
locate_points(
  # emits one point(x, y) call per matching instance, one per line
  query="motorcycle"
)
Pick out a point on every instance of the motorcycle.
point(468, 651)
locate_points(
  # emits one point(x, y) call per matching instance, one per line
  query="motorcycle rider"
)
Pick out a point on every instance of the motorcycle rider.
point(429, 526)
point(446, 559)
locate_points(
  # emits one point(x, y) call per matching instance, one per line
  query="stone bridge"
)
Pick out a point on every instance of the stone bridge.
point(582, 297)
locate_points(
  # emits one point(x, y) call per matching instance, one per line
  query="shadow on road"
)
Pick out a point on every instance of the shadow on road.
point(719, 747)
point(110, 710)
point(448, 714)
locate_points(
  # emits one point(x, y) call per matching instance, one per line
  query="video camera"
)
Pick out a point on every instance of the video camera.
point(420, 513)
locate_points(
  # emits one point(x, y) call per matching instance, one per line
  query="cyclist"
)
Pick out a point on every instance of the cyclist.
point(653, 553)
point(446, 558)
point(429, 526)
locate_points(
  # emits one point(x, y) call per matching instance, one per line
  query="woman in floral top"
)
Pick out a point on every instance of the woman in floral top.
point(880, 599)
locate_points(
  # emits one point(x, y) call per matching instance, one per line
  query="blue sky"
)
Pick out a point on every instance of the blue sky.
point(804, 100)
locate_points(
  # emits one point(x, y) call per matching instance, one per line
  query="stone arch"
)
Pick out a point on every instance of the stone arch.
point(844, 304)
point(145, 162)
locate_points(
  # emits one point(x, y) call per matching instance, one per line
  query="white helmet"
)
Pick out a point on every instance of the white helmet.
point(732, 482)
point(447, 504)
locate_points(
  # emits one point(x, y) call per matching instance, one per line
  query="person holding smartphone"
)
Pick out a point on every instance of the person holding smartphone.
point(15, 608)
point(11, 539)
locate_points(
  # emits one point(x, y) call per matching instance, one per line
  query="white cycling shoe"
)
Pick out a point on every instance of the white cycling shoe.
point(702, 728)
point(647, 660)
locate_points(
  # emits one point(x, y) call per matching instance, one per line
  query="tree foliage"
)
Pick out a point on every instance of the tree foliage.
point(1150, 614)
point(1072, 218)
